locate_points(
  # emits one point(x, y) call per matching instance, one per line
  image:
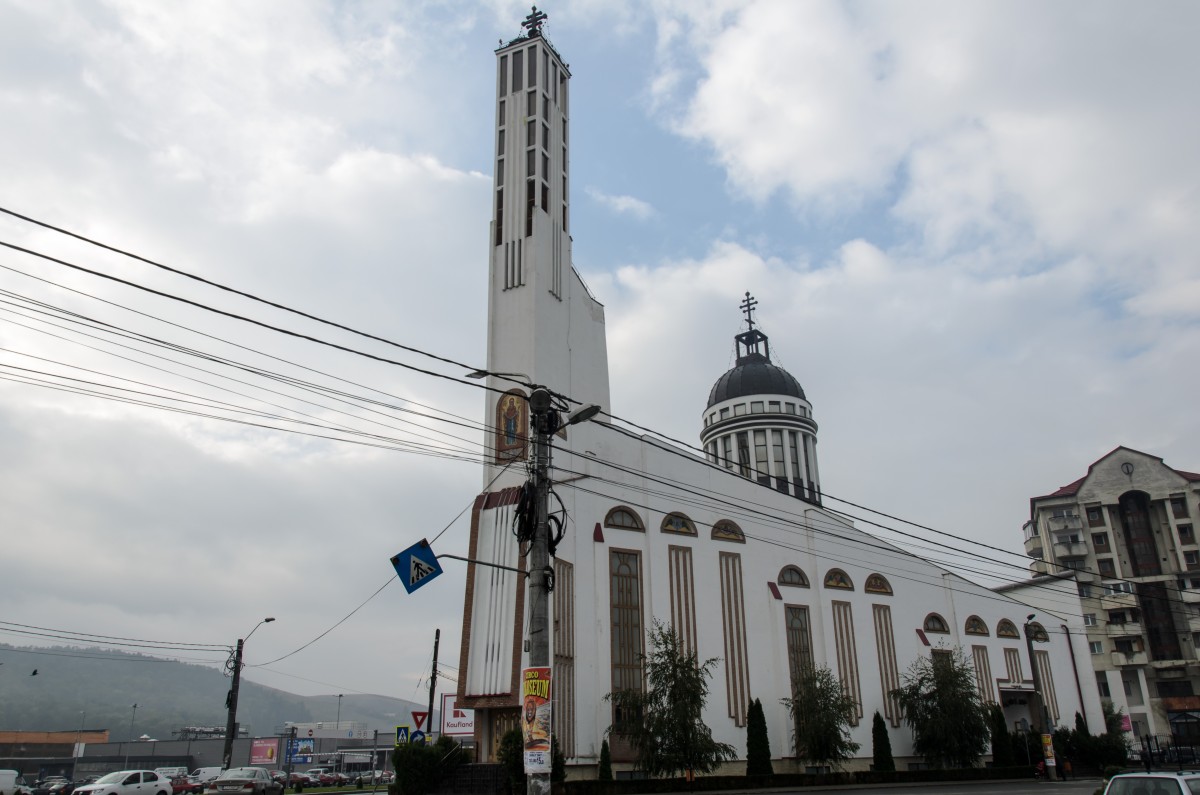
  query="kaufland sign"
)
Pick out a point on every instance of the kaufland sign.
point(456, 722)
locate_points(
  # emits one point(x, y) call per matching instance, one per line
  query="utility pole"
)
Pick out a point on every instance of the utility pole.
point(1042, 714)
point(437, 639)
point(231, 704)
point(544, 420)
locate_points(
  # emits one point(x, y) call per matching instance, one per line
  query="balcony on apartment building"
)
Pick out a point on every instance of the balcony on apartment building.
point(1057, 524)
point(1130, 629)
point(1117, 600)
point(1122, 659)
point(1066, 549)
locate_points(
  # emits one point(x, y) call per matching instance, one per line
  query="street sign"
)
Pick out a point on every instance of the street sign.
point(416, 565)
point(401, 735)
point(417, 738)
point(456, 722)
point(419, 718)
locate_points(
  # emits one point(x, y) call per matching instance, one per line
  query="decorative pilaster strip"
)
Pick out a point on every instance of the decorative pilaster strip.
point(733, 619)
point(889, 675)
point(683, 596)
point(847, 655)
point(983, 674)
point(1042, 660)
point(563, 708)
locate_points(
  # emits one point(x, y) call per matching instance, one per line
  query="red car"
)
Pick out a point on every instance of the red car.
point(184, 784)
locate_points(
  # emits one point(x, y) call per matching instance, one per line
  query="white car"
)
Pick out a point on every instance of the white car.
point(128, 782)
point(1154, 783)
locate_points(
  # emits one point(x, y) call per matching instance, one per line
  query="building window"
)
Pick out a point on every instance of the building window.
point(756, 407)
point(533, 66)
point(518, 69)
point(1178, 687)
point(975, 626)
point(780, 469)
point(1095, 517)
point(500, 170)
point(727, 451)
point(1007, 629)
point(623, 519)
point(760, 454)
point(935, 623)
point(1089, 619)
point(530, 163)
point(725, 414)
point(1192, 559)
point(546, 108)
point(1179, 508)
point(625, 600)
point(501, 113)
point(877, 583)
point(1117, 617)
point(529, 192)
point(1097, 647)
point(546, 137)
point(1186, 536)
point(1100, 541)
point(793, 576)
point(799, 641)
point(679, 524)
point(773, 406)
point(725, 530)
point(739, 409)
point(743, 440)
point(836, 578)
point(503, 75)
point(499, 216)
point(1085, 590)
point(1106, 567)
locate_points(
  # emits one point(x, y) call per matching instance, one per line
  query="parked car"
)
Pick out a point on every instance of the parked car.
point(185, 784)
point(65, 787)
point(1164, 783)
point(299, 779)
point(12, 783)
point(127, 782)
point(246, 780)
point(44, 786)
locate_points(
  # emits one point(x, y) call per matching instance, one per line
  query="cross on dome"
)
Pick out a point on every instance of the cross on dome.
point(747, 306)
point(533, 22)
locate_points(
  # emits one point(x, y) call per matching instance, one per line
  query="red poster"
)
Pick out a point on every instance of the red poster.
point(264, 752)
point(535, 718)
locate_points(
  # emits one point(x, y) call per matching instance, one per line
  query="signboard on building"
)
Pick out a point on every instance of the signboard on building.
point(264, 752)
point(300, 751)
point(456, 722)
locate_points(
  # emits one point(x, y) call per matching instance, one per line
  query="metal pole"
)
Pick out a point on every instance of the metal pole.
point(543, 416)
point(231, 721)
point(1043, 713)
point(375, 761)
point(132, 715)
point(437, 639)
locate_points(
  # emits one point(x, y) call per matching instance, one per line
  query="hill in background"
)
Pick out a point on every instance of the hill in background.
point(95, 689)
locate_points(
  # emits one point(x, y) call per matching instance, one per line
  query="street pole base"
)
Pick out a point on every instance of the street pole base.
point(537, 784)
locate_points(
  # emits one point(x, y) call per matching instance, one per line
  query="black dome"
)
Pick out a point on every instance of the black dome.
point(754, 375)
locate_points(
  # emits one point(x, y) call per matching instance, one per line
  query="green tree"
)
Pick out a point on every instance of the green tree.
point(511, 756)
point(942, 707)
point(821, 715)
point(605, 762)
point(1002, 747)
point(420, 768)
point(758, 745)
point(665, 724)
point(881, 745)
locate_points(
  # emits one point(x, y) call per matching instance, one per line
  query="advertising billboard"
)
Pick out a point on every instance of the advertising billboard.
point(264, 752)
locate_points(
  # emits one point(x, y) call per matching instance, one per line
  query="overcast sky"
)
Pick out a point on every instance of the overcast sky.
point(971, 228)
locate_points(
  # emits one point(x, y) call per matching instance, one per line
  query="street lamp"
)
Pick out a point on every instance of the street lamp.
point(338, 725)
point(1043, 713)
point(232, 699)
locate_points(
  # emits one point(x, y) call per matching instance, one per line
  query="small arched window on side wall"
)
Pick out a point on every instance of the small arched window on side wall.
point(1007, 629)
point(679, 524)
point(836, 578)
point(791, 575)
point(935, 623)
point(622, 518)
point(976, 626)
point(725, 530)
point(877, 583)
point(1037, 632)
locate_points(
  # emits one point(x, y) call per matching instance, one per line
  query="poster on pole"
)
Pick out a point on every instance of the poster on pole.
point(264, 752)
point(535, 718)
point(1048, 749)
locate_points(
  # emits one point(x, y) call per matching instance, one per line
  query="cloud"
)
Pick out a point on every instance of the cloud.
point(623, 205)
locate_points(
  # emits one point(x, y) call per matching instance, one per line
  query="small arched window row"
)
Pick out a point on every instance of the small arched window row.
point(1037, 632)
point(877, 583)
point(976, 626)
point(935, 623)
point(678, 524)
point(793, 576)
point(725, 530)
point(836, 578)
point(622, 518)
point(1007, 629)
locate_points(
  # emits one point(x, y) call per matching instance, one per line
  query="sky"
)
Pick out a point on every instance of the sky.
point(970, 228)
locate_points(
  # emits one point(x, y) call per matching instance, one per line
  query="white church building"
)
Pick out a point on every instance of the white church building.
point(730, 546)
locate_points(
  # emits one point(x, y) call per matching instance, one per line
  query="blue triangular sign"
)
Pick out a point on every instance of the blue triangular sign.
point(416, 565)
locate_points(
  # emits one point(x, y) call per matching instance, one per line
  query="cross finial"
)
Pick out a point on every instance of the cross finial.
point(534, 21)
point(747, 306)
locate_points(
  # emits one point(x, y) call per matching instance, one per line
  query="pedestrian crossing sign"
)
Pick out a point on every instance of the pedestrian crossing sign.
point(416, 565)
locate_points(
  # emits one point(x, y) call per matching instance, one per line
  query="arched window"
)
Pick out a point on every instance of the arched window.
point(836, 578)
point(877, 583)
point(976, 626)
point(1007, 629)
point(679, 524)
point(623, 518)
point(725, 530)
point(791, 575)
point(1038, 632)
point(935, 623)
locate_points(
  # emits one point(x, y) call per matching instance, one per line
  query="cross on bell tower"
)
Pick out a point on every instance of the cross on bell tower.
point(533, 22)
point(747, 306)
point(748, 341)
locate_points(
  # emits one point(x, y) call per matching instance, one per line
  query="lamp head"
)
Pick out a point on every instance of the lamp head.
point(583, 414)
point(1031, 617)
point(268, 619)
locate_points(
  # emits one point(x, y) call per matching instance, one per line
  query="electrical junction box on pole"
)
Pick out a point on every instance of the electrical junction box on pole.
point(416, 565)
